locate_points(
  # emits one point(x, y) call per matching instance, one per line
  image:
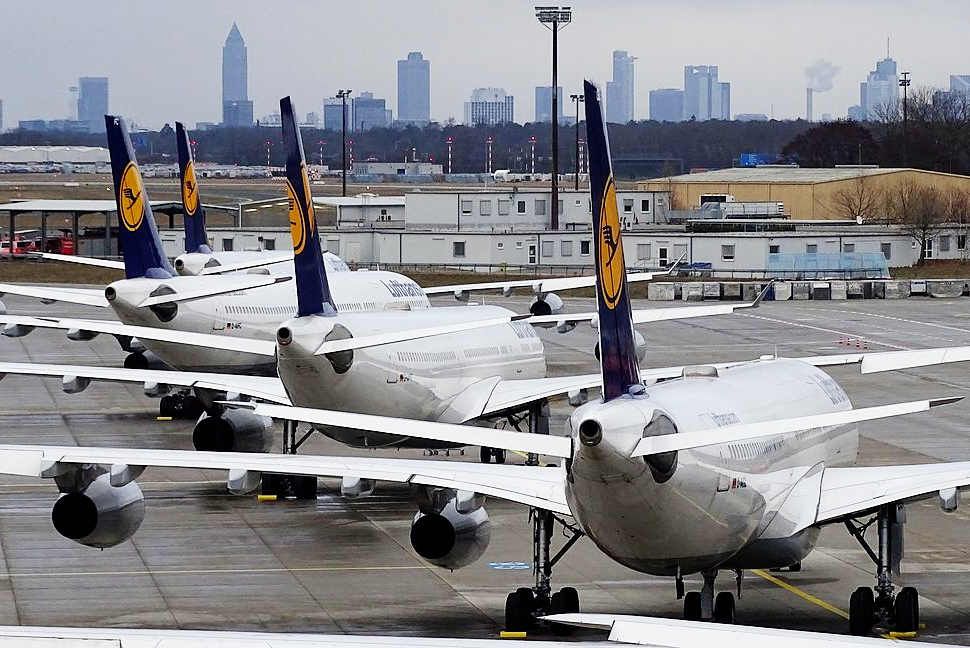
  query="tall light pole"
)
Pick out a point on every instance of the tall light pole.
point(904, 84)
point(268, 145)
point(488, 156)
point(555, 18)
point(577, 99)
point(532, 155)
point(342, 95)
point(449, 142)
point(321, 143)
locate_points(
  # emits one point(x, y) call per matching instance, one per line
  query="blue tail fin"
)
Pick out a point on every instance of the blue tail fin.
point(618, 358)
point(312, 289)
point(137, 234)
point(193, 214)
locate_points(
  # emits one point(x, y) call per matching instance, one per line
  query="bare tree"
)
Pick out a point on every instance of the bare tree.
point(919, 210)
point(860, 200)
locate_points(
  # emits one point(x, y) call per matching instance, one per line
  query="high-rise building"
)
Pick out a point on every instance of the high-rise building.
point(621, 91)
point(92, 102)
point(489, 106)
point(331, 114)
point(704, 96)
point(414, 90)
point(237, 109)
point(544, 104)
point(369, 112)
point(878, 92)
point(667, 105)
point(960, 83)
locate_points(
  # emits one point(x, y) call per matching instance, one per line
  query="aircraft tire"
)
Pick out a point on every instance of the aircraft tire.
point(906, 610)
point(485, 454)
point(518, 612)
point(724, 608)
point(692, 606)
point(862, 609)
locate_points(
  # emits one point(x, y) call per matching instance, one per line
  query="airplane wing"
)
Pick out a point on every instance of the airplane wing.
point(231, 284)
point(541, 285)
point(746, 431)
point(81, 260)
point(85, 296)
point(18, 325)
point(247, 265)
point(264, 388)
point(544, 444)
point(539, 486)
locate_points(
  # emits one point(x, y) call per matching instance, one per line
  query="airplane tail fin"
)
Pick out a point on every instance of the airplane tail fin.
point(137, 233)
point(618, 358)
point(193, 214)
point(312, 288)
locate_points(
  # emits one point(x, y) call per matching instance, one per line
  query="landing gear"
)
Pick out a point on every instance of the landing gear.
point(880, 605)
point(724, 608)
point(704, 606)
point(486, 455)
point(525, 604)
point(302, 487)
point(181, 405)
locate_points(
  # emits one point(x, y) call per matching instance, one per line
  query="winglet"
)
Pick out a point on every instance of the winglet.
point(937, 402)
point(764, 292)
point(618, 358)
point(193, 214)
point(312, 288)
point(137, 232)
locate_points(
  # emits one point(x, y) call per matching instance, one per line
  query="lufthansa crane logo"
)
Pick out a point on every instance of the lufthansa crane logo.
point(302, 219)
point(190, 190)
point(131, 198)
point(611, 264)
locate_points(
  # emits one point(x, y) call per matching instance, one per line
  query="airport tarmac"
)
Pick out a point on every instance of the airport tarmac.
point(205, 559)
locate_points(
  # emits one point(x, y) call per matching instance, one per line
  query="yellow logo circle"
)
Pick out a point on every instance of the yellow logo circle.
point(131, 198)
point(190, 190)
point(610, 248)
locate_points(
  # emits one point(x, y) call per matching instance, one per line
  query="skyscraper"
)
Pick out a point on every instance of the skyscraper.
point(489, 106)
point(621, 91)
point(544, 104)
point(414, 90)
point(331, 114)
point(704, 96)
point(369, 112)
point(237, 109)
point(92, 102)
point(667, 104)
point(879, 91)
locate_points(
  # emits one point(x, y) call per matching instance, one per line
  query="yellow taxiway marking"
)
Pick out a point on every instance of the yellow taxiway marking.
point(175, 572)
point(800, 593)
point(512, 634)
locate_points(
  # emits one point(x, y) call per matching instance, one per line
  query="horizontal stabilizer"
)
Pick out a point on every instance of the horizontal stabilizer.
point(82, 260)
point(412, 334)
point(747, 431)
point(544, 444)
point(242, 282)
point(84, 296)
point(895, 360)
point(247, 265)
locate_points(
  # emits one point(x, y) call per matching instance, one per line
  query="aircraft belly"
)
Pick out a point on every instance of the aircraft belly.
point(195, 358)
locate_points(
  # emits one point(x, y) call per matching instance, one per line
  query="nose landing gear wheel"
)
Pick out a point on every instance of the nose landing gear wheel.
point(862, 610)
point(724, 608)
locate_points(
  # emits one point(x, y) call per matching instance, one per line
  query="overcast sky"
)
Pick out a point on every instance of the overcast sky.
point(164, 58)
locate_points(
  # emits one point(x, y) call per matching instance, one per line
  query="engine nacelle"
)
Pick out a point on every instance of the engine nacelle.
point(100, 515)
point(546, 304)
point(235, 430)
point(638, 340)
point(454, 535)
point(144, 360)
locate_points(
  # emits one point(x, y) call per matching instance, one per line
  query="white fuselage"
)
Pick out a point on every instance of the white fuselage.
point(194, 263)
point(255, 313)
point(725, 505)
point(444, 378)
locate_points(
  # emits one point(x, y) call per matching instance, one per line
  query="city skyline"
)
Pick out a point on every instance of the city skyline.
point(165, 83)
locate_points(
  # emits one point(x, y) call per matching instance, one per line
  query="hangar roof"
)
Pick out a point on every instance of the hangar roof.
point(784, 174)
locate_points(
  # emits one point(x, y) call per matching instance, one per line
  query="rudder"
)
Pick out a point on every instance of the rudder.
point(193, 213)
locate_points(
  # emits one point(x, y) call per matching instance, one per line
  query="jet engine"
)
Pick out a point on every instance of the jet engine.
point(546, 304)
point(451, 528)
point(100, 515)
point(234, 430)
point(144, 360)
point(638, 340)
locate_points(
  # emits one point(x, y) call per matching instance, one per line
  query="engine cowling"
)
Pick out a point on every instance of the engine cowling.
point(638, 340)
point(235, 430)
point(547, 304)
point(454, 536)
point(100, 515)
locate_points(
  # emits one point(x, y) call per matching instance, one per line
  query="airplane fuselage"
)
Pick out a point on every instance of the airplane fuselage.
point(446, 378)
point(716, 506)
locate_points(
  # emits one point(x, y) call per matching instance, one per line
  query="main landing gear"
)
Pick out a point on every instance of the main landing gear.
point(525, 605)
point(303, 487)
point(704, 606)
point(536, 421)
point(881, 606)
point(181, 405)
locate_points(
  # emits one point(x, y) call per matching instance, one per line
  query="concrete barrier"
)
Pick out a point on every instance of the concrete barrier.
point(692, 291)
point(712, 290)
point(730, 291)
point(858, 289)
point(800, 290)
point(750, 291)
point(896, 289)
point(944, 287)
point(782, 290)
point(660, 291)
point(821, 290)
point(917, 287)
point(839, 290)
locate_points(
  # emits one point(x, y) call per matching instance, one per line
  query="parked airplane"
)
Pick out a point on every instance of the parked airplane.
point(725, 468)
